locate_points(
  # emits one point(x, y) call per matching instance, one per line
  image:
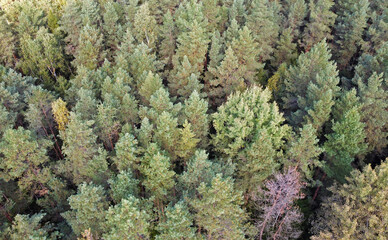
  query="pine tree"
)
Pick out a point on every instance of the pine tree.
point(304, 152)
point(90, 49)
point(185, 81)
point(86, 106)
point(295, 11)
point(194, 45)
point(187, 143)
point(60, 113)
point(167, 134)
point(195, 112)
point(356, 210)
point(145, 27)
point(84, 159)
point(113, 30)
point(177, 225)
point(321, 20)
point(127, 153)
point(212, 11)
point(245, 49)
point(159, 179)
point(228, 78)
point(88, 208)
point(374, 96)
point(123, 186)
point(218, 210)
point(168, 34)
point(346, 142)
point(127, 220)
point(311, 87)
point(285, 51)
point(351, 22)
point(7, 43)
point(24, 158)
point(25, 226)
point(264, 23)
point(107, 124)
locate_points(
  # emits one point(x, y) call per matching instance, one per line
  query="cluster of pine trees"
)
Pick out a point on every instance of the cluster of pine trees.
point(189, 119)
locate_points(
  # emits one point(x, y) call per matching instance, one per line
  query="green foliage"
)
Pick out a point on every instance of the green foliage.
point(346, 142)
point(219, 211)
point(145, 28)
point(177, 225)
point(88, 209)
point(123, 186)
point(127, 220)
point(356, 209)
point(84, 159)
point(311, 87)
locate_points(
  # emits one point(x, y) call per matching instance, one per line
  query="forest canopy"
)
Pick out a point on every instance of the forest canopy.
point(193, 119)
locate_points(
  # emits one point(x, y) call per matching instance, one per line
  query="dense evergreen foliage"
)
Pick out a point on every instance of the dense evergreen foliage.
point(193, 119)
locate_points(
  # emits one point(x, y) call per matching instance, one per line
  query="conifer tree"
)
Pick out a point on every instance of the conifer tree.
point(90, 49)
point(321, 20)
point(264, 23)
point(123, 186)
point(168, 34)
point(245, 49)
point(60, 113)
point(127, 153)
point(356, 209)
point(187, 143)
point(185, 81)
point(84, 159)
point(228, 78)
point(113, 30)
point(285, 51)
point(351, 22)
point(346, 142)
point(25, 226)
point(159, 179)
point(304, 152)
point(295, 12)
point(167, 134)
point(374, 96)
point(127, 220)
point(195, 111)
point(86, 106)
point(145, 27)
point(311, 87)
point(177, 225)
point(88, 208)
point(212, 11)
point(7, 43)
point(218, 210)
point(107, 124)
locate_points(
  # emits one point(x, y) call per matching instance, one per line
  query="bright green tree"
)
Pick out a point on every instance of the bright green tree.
point(346, 142)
